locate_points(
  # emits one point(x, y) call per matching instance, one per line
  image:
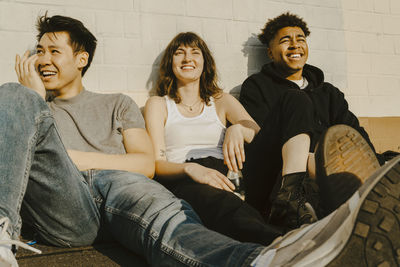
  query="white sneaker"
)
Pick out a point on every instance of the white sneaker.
point(7, 258)
point(364, 231)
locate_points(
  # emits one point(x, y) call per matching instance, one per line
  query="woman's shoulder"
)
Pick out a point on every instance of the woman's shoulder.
point(224, 98)
point(155, 100)
point(156, 103)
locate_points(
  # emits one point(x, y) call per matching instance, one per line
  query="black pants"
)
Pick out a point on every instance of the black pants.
point(223, 211)
point(293, 115)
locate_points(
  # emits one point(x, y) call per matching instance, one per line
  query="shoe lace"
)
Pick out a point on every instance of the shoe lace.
point(7, 241)
point(304, 195)
point(312, 195)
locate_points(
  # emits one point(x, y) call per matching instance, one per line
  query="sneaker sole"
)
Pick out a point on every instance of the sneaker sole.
point(343, 149)
point(376, 232)
point(365, 231)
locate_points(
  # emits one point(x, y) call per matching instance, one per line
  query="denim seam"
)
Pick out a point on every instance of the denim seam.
point(31, 142)
point(95, 195)
point(154, 235)
point(132, 217)
point(179, 256)
point(40, 229)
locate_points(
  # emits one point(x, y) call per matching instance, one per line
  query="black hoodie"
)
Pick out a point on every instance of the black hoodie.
point(261, 92)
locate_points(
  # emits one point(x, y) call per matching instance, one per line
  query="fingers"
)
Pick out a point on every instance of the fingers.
point(228, 185)
point(209, 176)
point(218, 180)
point(31, 63)
point(227, 156)
point(241, 147)
point(234, 156)
point(24, 65)
point(16, 67)
point(239, 159)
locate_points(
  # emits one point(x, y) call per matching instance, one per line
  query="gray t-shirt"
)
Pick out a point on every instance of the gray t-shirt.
point(94, 122)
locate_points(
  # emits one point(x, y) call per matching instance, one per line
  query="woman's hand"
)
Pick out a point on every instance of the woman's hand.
point(208, 176)
point(233, 147)
point(27, 74)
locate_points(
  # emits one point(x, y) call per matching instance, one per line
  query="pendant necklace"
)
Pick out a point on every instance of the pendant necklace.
point(191, 106)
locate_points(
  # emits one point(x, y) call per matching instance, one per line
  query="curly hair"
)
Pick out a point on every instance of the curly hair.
point(284, 20)
point(81, 39)
point(166, 83)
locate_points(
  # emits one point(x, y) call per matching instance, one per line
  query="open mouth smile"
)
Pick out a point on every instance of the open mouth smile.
point(294, 56)
point(187, 67)
point(47, 73)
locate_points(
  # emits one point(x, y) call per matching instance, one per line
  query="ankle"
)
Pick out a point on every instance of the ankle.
point(293, 178)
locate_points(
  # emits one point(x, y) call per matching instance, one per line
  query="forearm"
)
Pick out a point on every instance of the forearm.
point(142, 163)
point(249, 129)
point(170, 170)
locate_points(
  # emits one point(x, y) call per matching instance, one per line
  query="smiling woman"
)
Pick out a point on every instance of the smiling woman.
point(187, 64)
point(187, 124)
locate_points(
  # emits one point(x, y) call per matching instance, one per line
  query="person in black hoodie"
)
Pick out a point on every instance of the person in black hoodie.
point(293, 105)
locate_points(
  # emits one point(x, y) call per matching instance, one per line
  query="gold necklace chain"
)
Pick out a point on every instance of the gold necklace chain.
point(191, 106)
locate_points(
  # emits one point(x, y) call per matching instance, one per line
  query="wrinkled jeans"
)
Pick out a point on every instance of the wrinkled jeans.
point(72, 208)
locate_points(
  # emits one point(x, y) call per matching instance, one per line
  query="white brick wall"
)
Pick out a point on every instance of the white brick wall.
point(355, 42)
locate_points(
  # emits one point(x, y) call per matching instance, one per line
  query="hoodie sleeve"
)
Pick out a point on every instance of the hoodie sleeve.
point(341, 114)
point(253, 100)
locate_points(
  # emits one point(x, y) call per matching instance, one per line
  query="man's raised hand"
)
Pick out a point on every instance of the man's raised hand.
point(27, 73)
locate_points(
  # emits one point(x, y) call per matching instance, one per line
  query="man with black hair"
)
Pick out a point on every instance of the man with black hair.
point(293, 104)
point(77, 166)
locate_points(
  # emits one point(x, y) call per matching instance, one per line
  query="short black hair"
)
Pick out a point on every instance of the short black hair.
point(81, 39)
point(284, 20)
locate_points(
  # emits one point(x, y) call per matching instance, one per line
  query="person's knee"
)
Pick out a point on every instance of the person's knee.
point(18, 95)
point(16, 88)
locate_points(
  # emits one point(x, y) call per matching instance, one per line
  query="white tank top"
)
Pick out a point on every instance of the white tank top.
point(196, 137)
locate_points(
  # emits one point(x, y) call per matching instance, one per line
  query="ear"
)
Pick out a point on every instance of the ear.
point(82, 59)
point(269, 53)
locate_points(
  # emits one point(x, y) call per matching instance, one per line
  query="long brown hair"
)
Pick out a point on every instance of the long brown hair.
point(166, 83)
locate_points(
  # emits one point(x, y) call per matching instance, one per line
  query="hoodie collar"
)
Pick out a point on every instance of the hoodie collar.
point(314, 75)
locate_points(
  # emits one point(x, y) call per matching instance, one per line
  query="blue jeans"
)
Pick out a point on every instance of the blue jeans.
point(72, 208)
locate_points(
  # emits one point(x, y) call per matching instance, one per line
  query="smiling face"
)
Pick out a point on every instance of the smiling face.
point(59, 67)
point(187, 64)
point(289, 52)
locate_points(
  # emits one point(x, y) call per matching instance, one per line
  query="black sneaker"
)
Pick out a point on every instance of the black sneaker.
point(365, 231)
point(343, 160)
point(292, 206)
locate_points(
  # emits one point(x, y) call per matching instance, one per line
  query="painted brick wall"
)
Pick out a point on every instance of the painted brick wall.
point(356, 42)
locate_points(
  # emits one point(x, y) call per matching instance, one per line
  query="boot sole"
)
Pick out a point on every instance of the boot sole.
point(344, 160)
point(365, 231)
point(343, 149)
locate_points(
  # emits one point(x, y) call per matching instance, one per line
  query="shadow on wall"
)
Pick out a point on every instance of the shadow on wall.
point(152, 80)
point(256, 54)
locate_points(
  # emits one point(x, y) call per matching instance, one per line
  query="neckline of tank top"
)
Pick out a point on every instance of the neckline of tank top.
point(194, 117)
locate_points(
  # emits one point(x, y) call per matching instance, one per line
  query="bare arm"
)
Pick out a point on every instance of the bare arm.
point(155, 117)
point(243, 129)
point(139, 157)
